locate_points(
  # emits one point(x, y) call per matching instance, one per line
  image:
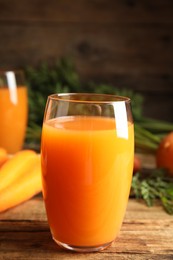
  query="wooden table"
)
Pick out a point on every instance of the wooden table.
point(147, 233)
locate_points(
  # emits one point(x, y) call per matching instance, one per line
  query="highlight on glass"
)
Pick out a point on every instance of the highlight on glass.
point(87, 152)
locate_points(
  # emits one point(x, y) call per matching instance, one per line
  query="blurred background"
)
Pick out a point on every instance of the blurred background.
point(126, 44)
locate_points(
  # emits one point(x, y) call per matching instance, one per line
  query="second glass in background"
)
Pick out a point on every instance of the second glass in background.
point(13, 110)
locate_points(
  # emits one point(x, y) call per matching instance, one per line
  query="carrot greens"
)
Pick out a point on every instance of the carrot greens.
point(154, 186)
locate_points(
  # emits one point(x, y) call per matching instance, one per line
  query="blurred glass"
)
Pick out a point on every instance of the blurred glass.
point(13, 110)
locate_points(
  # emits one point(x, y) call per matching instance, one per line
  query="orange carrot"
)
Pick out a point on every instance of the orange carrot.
point(15, 166)
point(3, 156)
point(22, 188)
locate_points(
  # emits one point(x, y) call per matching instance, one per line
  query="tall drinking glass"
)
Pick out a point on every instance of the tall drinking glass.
point(87, 152)
point(13, 110)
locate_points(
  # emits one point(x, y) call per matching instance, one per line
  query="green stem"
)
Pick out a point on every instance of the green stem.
point(156, 125)
point(146, 134)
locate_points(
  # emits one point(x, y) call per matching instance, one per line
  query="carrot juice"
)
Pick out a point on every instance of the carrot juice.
point(13, 118)
point(86, 172)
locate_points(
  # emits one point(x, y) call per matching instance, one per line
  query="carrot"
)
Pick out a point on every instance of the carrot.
point(3, 156)
point(22, 188)
point(15, 166)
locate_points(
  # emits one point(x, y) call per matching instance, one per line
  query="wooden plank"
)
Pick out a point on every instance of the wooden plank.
point(39, 245)
point(146, 234)
point(98, 51)
point(87, 11)
point(127, 44)
point(34, 210)
point(149, 84)
point(158, 106)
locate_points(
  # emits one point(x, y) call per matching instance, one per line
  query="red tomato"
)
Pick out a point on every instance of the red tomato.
point(164, 155)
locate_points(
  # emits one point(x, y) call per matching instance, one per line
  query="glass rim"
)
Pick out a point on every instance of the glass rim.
point(108, 98)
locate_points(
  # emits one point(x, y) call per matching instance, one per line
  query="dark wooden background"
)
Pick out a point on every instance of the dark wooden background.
point(128, 43)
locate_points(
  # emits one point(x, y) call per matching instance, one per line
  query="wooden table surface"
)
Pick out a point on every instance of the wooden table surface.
point(147, 233)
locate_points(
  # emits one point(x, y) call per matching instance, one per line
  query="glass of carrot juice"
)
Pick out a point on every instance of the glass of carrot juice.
point(87, 152)
point(13, 110)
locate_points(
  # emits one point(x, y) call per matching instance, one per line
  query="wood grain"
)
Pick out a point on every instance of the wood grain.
point(98, 49)
point(127, 44)
point(146, 234)
point(97, 11)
